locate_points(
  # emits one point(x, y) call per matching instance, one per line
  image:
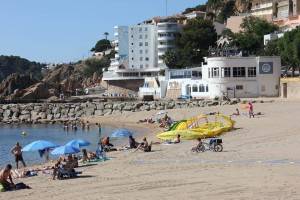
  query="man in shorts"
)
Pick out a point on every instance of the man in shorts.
point(17, 151)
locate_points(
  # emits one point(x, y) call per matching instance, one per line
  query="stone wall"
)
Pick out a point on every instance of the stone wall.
point(49, 112)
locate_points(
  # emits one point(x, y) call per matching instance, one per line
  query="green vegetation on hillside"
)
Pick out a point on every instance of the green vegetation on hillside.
point(251, 39)
point(102, 45)
point(15, 64)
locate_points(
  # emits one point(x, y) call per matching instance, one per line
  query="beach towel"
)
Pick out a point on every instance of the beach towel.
point(2, 188)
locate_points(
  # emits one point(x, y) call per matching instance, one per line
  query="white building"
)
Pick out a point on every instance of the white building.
point(272, 36)
point(140, 49)
point(121, 46)
point(234, 77)
point(166, 32)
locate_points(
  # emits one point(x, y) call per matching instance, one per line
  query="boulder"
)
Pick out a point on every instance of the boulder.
point(89, 111)
point(35, 116)
point(108, 106)
point(7, 114)
point(25, 118)
point(128, 108)
point(100, 106)
point(42, 115)
point(50, 117)
point(99, 112)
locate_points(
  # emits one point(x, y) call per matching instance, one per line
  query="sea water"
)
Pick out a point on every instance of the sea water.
point(10, 134)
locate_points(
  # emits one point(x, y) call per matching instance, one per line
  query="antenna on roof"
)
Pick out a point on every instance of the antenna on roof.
point(166, 7)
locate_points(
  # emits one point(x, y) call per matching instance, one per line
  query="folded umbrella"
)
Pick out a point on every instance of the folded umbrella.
point(39, 145)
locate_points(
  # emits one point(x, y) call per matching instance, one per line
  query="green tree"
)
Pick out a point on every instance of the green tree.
point(250, 40)
point(106, 35)
point(289, 49)
point(226, 11)
point(102, 45)
point(171, 59)
point(193, 42)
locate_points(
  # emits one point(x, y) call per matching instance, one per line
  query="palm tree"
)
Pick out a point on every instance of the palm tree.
point(105, 35)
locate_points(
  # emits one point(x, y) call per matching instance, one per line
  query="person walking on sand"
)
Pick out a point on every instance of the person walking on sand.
point(17, 152)
point(250, 108)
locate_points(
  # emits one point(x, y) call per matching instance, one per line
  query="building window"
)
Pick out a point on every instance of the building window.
point(147, 65)
point(146, 29)
point(195, 88)
point(132, 66)
point(146, 36)
point(131, 36)
point(140, 29)
point(131, 51)
point(146, 51)
point(146, 44)
point(147, 59)
point(201, 88)
point(141, 66)
point(251, 71)
point(239, 87)
point(141, 51)
point(141, 58)
point(141, 37)
point(132, 58)
point(239, 72)
point(196, 74)
point(209, 73)
point(140, 44)
point(225, 72)
point(206, 88)
point(263, 88)
point(215, 73)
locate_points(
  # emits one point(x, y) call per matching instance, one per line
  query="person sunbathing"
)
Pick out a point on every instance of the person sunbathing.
point(177, 139)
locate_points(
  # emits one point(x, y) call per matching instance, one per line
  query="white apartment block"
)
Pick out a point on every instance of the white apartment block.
point(167, 32)
point(140, 49)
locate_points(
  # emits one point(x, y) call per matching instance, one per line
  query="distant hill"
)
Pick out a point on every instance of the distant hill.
point(16, 64)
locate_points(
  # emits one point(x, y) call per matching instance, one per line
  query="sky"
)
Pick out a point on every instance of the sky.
point(55, 31)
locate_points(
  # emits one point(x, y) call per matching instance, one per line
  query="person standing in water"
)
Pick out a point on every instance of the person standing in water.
point(17, 152)
point(99, 129)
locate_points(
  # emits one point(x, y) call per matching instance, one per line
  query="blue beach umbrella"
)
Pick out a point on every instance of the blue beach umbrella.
point(78, 143)
point(66, 149)
point(121, 133)
point(39, 145)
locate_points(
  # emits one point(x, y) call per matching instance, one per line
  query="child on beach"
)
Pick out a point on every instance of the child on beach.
point(250, 108)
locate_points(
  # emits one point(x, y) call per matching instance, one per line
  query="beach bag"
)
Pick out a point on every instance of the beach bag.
point(20, 186)
point(2, 188)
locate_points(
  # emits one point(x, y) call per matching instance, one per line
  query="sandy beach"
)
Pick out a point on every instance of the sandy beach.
point(260, 161)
